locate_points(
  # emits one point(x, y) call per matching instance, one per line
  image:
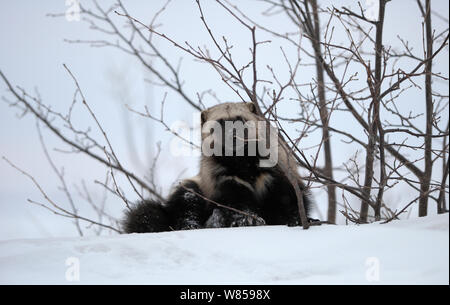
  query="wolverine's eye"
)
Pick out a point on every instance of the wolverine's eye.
point(203, 117)
point(237, 119)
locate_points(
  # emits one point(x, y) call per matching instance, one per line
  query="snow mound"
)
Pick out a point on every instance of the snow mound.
point(402, 252)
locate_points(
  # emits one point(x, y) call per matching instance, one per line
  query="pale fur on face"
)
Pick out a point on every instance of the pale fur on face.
point(230, 110)
point(210, 170)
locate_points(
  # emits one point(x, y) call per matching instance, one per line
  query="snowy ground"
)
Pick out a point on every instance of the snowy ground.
point(403, 252)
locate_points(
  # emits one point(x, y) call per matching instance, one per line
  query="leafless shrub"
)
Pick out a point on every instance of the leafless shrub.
point(362, 79)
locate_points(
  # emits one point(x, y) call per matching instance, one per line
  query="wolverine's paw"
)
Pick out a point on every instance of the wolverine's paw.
point(315, 222)
point(190, 223)
point(294, 223)
point(297, 222)
point(216, 220)
point(191, 226)
point(248, 219)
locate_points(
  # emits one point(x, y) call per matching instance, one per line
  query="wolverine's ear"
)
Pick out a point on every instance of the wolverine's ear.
point(203, 116)
point(251, 107)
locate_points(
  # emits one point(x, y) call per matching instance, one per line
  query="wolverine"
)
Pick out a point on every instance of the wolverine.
point(240, 182)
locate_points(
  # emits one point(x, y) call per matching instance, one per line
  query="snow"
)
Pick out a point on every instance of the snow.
point(401, 252)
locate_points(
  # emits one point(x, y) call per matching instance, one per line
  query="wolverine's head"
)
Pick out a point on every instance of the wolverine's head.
point(235, 130)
